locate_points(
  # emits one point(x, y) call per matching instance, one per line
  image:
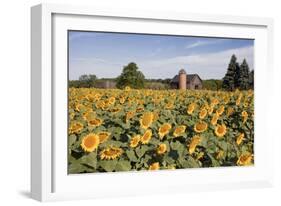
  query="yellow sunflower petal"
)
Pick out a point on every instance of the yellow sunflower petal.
point(90, 142)
point(164, 129)
point(179, 130)
point(135, 141)
point(146, 137)
point(103, 136)
point(245, 159)
point(220, 130)
point(193, 144)
point(154, 166)
point(146, 120)
point(162, 148)
point(111, 153)
point(200, 127)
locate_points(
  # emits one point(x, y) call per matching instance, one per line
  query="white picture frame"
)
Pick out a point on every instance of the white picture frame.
point(49, 178)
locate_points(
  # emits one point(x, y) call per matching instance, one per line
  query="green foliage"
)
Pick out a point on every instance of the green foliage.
point(85, 80)
point(238, 76)
point(123, 165)
point(212, 84)
point(108, 165)
point(131, 77)
point(177, 154)
point(229, 79)
point(251, 79)
point(156, 85)
point(243, 80)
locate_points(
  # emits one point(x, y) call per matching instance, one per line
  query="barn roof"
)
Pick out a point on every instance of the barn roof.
point(189, 77)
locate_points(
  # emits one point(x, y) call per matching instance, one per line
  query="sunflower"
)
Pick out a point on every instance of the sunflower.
point(220, 154)
point(162, 148)
point(154, 166)
point(115, 110)
point(203, 113)
point(95, 122)
point(193, 144)
point(89, 115)
point(238, 101)
point(90, 97)
point(169, 105)
point(127, 88)
point(220, 130)
point(191, 108)
point(226, 99)
point(75, 128)
point(90, 142)
point(71, 115)
point(129, 115)
point(215, 101)
point(245, 159)
point(244, 116)
point(171, 167)
point(179, 130)
point(164, 129)
point(230, 111)
point(79, 107)
point(111, 100)
point(103, 136)
point(246, 104)
point(210, 109)
point(146, 120)
point(240, 138)
point(122, 100)
point(155, 116)
point(146, 137)
point(135, 141)
point(100, 105)
point(200, 126)
point(215, 119)
point(220, 110)
point(111, 153)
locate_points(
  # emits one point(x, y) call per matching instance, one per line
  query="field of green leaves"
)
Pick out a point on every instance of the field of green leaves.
point(124, 130)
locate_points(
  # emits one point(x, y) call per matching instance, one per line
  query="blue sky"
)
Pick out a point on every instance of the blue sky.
point(157, 56)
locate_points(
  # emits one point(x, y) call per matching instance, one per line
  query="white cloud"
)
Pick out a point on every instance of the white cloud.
point(94, 60)
point(210, 65)
point(202, 43)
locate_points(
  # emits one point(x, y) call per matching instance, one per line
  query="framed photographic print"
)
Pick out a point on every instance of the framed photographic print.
point(135, 102)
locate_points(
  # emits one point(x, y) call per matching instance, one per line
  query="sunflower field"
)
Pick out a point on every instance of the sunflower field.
point(114, 130)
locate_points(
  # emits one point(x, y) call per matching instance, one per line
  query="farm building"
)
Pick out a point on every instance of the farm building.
point(105, 84)
point(186, 81)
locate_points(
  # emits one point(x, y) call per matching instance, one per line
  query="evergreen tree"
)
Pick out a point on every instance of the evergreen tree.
point(237, 76)
point(130, 76)
point(251, 80)
point(230, 78)
point(243, 79)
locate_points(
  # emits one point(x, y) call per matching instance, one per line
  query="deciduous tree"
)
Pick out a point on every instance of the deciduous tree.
point(131, 77)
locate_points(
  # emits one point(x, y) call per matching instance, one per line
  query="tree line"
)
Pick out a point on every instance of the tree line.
point(130, 76)
point(238, 76)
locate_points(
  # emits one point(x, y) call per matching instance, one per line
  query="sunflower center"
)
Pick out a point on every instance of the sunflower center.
point(178, 130)
point(201, 126)
point(90, 142)
point(146, 136)
point(111, 152)
point(220, 129)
